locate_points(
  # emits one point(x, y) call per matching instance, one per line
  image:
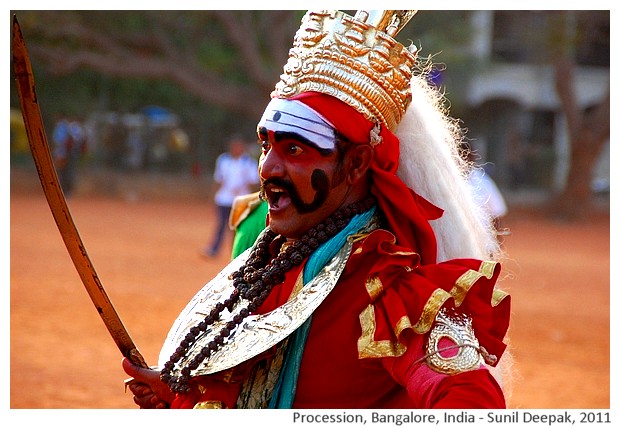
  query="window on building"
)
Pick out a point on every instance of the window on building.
point(532, 36)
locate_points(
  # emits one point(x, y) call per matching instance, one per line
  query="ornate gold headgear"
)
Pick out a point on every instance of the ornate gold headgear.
point(355, 59)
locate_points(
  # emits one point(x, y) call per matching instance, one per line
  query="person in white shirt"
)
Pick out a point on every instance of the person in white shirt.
point(485, 193)
point(236, 173)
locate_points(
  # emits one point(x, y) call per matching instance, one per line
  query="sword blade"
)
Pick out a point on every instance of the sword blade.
point(57, 203)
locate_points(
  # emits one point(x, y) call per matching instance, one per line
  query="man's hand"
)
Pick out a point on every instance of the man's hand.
point(148, 390)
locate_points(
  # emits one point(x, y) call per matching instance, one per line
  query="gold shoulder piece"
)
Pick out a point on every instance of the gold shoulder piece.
point(457, 328)
point(241, 208)
point(209, 405)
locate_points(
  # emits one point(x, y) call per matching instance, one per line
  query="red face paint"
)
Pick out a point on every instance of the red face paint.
point(297, 181)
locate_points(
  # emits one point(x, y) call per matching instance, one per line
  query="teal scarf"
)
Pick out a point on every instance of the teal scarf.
point(284, 392)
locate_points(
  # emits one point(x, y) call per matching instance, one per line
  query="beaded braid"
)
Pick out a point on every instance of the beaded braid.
point(254, 281)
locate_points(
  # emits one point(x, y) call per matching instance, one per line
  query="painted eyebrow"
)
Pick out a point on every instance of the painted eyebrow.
point(262, 133)
point(288, 135)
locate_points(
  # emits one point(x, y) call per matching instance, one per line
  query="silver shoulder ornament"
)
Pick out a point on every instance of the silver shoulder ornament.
point(258, 332)
point(457, 328)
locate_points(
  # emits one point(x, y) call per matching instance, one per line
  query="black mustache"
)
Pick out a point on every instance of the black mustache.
point(319, 182)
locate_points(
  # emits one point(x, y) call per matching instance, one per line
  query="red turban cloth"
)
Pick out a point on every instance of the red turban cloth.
point(406, 212)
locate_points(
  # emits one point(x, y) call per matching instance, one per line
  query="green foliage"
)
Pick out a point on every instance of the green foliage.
point(204, 44)
point(86, 90)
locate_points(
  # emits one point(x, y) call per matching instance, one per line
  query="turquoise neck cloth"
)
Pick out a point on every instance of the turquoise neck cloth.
point(284, 392)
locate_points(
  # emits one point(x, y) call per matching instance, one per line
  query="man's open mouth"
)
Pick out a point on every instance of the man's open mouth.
point(276, 197)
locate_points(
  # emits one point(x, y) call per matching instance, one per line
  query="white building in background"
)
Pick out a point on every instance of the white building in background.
point(516, 122)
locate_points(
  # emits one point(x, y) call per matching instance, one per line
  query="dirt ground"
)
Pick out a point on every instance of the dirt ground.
point(146, 253)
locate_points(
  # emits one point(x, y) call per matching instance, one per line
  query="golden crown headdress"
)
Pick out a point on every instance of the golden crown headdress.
point(355, 59)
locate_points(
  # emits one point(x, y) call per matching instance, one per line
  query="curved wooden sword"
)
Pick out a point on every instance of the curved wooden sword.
point(56, 199)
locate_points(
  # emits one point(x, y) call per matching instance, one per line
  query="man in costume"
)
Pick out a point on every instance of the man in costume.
point(360, 292)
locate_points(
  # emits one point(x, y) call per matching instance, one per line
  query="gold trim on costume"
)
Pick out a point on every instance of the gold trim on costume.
point(359, 236)
point(487, 268)
point(434, 303)
point(374, 287)
point(299, 283)
point(459, 291)
point(367, 347)
point(467, 280)
point(498, 296)
point(402, 252)
point(259, 385)
point(401, 325)
point(209, 405)
point(462, 286)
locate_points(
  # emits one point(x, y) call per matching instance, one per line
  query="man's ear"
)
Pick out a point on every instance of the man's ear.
point(360, 158)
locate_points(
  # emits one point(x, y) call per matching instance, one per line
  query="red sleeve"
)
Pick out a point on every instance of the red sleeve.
point(471, 389)
point(430, 389)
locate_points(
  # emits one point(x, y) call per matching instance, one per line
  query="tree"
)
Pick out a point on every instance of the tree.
point(588, 129)
point(226, 58)
point(231, 60)
point(215, 68)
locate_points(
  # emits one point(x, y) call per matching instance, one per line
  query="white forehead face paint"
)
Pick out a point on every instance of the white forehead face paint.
point(295, 117)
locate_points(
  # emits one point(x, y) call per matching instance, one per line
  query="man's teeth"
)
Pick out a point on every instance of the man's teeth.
point(276, 193)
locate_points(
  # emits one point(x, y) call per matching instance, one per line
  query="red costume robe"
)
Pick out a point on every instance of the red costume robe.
point(366, 343)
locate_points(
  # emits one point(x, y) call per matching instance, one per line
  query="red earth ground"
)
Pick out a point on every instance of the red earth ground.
point(146, 252)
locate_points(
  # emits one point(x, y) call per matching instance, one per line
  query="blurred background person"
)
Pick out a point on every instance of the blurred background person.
point(485, 190)
point(69, 138)
point(235, 174)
